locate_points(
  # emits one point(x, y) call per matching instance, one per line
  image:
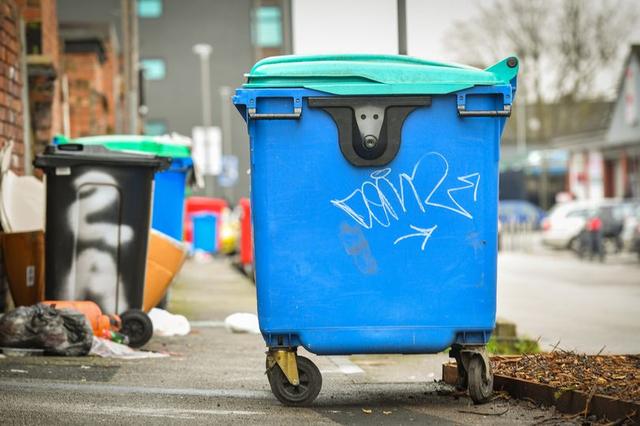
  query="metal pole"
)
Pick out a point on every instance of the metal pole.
point(210, 185)
point(287, 27)
point(27, 134)
point(402, 27)
point(206, 90)
point(66, 110)
point(227, 145)
point(130, 64)
point(126, 63)
point(204, 52)
point(133, 88)
point(544, 181)
point(521, 135)
point(225, 104)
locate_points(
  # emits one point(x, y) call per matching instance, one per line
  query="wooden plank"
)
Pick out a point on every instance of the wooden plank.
point(566, 401)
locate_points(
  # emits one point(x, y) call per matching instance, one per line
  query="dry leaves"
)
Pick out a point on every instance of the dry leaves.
point(617, 376)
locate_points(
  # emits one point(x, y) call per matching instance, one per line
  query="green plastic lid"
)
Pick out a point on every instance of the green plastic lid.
point(163, 146)
point(375, 74)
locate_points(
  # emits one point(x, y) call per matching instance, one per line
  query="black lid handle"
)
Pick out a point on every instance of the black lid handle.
point(71, 147)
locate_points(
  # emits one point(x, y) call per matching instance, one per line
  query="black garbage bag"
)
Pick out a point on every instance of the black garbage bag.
point(57, 331)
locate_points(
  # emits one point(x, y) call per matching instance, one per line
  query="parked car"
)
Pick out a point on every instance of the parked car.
point(566, 221)
point(631, 223)
point(562, 227)
point(520, 211)
point(635, 241)
point(632, 227)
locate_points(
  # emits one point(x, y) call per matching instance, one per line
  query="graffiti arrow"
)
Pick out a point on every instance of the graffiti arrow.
point(422, 232)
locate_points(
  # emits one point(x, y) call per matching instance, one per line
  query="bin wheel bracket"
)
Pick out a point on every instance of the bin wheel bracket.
point(369, 128)
point(286, 360)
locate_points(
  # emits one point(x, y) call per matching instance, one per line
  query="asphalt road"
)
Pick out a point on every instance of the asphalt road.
point(216, 377)
point(586, 306)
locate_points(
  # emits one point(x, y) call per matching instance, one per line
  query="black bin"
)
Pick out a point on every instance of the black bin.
point(97, 229)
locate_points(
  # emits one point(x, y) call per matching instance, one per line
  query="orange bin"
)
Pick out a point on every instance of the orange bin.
point(165, 257)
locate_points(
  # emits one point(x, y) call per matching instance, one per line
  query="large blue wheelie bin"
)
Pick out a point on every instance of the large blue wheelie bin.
point(375, 208)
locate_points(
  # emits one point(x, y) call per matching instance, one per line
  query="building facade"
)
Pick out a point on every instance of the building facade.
point(607, 164)
point(43, 70)
point(240, 32)
point(91, 72)
point(11, 81)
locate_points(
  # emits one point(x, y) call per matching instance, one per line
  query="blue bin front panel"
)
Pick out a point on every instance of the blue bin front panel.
point(204, 232)
point(392, 259)
point(168, 200)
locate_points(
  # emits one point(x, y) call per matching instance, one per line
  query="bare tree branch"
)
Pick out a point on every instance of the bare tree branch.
point(562, 44)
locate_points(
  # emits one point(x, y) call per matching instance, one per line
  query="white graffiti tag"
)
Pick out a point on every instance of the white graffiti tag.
point(94, 273)
point(380, 201)
point(422, 233)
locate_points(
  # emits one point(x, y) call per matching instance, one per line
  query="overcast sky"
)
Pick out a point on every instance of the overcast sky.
point(370, 26)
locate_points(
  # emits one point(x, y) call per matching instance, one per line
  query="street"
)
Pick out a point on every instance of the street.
point(214, 376)
point(586, 306)
point(398, 191)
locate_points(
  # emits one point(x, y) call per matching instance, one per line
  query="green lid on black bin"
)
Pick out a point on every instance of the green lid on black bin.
point(164, 146)
point(375, 74)
point(69, 155)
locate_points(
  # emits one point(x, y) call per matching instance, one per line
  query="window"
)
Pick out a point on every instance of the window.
point(267, 26)
point(154, 69)
point(34, 38)
point(149, 8)
point(155, 127)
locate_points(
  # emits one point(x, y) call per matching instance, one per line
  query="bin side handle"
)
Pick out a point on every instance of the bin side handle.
point(505, 112)
point(252, 106)
point(506, 92)
point(297, 112)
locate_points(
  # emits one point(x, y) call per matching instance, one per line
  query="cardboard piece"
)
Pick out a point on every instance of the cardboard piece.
point(22, 198)
point(165, 257)
point(24, 266)
point(23, 203)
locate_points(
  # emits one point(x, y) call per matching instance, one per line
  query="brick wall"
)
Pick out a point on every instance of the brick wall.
point(51, 48)
point(91, 65)
point(43, 59)
point(42, 14)
point(88, 103)
point(110, 72)
point(11, 83)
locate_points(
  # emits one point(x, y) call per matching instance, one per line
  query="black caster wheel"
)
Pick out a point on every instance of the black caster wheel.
point(296, 396)
point(480, 384)
point(137, 326)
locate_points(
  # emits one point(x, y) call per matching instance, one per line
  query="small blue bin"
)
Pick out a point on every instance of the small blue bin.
point(204, 232)
point(168, 198)
point(374, 200)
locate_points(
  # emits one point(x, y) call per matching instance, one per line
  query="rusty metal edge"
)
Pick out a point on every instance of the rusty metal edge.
point(566, 401)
